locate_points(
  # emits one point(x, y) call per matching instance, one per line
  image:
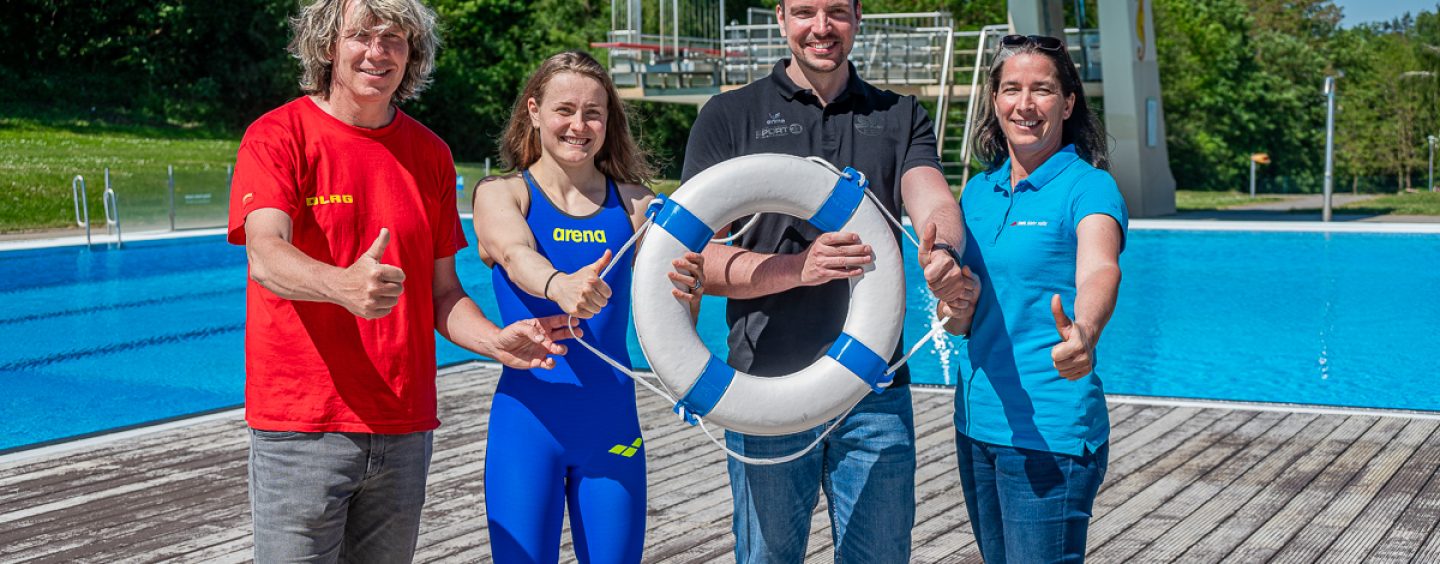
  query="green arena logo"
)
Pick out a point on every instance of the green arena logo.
point(626, 451)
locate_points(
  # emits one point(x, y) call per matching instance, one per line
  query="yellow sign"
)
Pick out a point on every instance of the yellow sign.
point(1261, 158)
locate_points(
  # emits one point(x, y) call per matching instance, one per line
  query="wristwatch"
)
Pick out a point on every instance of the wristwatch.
point(954, 254)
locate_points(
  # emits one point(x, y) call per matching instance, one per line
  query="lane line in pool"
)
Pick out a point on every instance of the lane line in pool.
point(1241, 405)
point(32, 363)
point(111, 307)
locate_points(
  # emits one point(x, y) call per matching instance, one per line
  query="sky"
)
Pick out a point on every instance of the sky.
point(1364, 11)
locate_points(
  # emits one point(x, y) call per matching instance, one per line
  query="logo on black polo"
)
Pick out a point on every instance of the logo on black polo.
point(870, 126)
point(779, 131)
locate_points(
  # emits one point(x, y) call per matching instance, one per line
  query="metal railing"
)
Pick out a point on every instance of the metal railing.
point(77, 192)
point(112, 211)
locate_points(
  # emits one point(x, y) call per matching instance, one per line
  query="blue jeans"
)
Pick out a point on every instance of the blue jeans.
point(1029, 505)
point(867, 468)
point(337, 497)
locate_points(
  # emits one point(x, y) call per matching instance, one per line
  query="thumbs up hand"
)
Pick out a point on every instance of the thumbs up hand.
point(1074, 357)
point(582, 293)
point(370, 288)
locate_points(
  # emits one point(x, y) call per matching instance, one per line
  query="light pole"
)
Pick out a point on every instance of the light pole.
point(1329, 145)
point(1432, 140)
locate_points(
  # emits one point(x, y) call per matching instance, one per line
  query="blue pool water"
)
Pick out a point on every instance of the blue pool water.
point(97, 340)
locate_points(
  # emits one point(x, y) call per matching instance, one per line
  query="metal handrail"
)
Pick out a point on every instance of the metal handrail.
point(974, 97)
point(942, 105)
point(112, 211)
point(77, 191)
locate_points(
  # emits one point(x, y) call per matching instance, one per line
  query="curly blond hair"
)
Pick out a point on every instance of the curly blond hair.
point(319, 26)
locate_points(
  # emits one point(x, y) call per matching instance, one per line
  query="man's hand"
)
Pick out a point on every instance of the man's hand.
point(1074, 356)
point(582, 294)
point(835, 256)
point(942, 273)
point(370, 288)
point(527, 343)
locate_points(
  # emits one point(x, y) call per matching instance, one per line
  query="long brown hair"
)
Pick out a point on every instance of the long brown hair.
point(1081, 129)
point(619, 158)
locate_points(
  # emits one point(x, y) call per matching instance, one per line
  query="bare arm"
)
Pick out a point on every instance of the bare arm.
point(368, 288)
point(505, 239)
point(738, 273)
point(1097, 285)
point(936, 216)
point(928, 200)
point(523, 344)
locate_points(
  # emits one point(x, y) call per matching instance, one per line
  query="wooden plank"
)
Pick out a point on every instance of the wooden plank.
point(1273, 493)
point(1175, 526)
point(1417, 521)
point(1278, 532)
point(1384, 509)
point(1163, 482)
point(1320, 536)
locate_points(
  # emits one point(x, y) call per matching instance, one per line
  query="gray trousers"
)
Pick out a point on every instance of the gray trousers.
point(337, 497)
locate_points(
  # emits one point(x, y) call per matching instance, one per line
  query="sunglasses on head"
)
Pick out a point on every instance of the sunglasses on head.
point(1043, 42)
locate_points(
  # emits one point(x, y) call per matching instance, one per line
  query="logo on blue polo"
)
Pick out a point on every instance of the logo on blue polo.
point(775, 119)
point(1029, 223)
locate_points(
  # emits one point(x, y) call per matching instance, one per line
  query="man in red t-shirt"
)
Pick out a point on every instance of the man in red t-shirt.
point(346, 209)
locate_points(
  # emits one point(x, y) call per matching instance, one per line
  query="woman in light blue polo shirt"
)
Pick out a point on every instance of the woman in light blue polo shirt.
point(1045, 225)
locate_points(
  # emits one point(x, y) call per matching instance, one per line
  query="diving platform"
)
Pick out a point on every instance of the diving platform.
point(686, 52)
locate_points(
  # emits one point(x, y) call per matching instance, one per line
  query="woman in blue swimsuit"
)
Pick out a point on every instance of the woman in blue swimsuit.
point(568, 437)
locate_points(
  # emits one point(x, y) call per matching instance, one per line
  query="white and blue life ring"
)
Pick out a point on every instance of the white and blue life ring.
point(855, 366)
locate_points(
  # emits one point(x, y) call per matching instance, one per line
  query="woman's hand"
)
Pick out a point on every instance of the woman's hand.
point(582, 293)
point(689, 280)
point(1074, 357)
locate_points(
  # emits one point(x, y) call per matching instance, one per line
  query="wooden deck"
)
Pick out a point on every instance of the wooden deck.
point(1186, 483)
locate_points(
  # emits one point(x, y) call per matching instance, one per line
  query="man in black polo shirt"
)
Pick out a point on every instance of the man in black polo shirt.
point(788, 289)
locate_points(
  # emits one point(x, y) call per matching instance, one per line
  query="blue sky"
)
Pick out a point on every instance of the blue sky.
point(1363, 11)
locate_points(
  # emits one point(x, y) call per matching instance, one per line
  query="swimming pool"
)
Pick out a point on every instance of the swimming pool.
point(101, 339)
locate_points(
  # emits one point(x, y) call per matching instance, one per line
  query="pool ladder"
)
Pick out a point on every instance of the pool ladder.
point(82, 209)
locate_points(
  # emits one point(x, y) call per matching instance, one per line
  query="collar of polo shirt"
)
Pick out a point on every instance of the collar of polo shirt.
point(790, 90)
point(1041, 176)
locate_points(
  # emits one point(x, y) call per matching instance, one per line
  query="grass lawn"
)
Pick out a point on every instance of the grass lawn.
point(1416, 203)
point(1196, 200)
point(39, 160)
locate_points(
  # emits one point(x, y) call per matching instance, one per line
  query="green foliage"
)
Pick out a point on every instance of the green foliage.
point(211, 63)
point(1243, 76)
point(38, 161)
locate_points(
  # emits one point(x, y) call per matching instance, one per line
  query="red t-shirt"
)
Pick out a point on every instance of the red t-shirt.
point(313, 366)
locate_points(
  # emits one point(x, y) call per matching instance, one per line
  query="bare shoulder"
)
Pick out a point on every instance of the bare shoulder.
point(635, 192)
point(498, 190)
point(636, 198)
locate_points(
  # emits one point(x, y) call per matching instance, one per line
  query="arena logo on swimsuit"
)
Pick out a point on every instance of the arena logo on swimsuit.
point(578, 235)
point(331, 199)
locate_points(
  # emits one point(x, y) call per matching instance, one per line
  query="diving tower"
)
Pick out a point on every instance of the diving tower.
point(683, 51)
